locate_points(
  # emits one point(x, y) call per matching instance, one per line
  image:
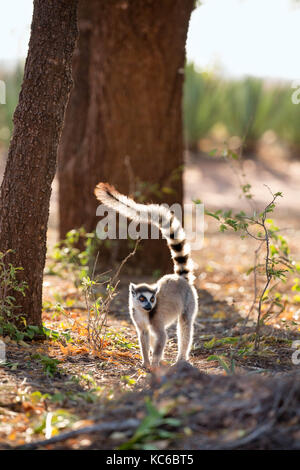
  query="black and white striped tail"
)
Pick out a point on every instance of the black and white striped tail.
point(158, 215)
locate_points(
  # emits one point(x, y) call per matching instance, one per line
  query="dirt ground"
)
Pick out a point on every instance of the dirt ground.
point(230, 396)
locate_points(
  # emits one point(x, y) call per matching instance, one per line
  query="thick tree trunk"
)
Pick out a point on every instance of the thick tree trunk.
point(31, 164)
point(124, 117)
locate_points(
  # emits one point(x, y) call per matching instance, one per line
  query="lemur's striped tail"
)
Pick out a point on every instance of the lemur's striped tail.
point(158, 215)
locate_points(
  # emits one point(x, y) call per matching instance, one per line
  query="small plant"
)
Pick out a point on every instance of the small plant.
point(9, 285)
point(128, 380)
point(97, 308)
point(88, 396)
point(98, 304)
point(49, 364)
point(120, 340)
point(229, 368)
point(56, 335)
point(152, 428)
point(272, 246)
point(74, 256)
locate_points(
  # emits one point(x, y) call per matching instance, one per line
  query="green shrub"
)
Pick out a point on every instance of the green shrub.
point(201, 104)
point(248, 109)
point(13, 81)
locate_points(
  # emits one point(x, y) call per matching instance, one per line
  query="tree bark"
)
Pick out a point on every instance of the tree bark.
point(124, 117)
point(31, 164)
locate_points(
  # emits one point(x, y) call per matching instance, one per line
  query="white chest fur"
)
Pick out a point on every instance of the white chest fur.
point(140, 318)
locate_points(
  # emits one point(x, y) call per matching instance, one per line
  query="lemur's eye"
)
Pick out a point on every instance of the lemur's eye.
point(142, 298)
point(152, 299)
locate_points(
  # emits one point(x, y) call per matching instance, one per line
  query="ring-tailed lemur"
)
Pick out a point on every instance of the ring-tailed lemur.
point(153, 307)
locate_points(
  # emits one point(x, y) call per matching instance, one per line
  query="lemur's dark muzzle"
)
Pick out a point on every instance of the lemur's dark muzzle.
point(148, 307)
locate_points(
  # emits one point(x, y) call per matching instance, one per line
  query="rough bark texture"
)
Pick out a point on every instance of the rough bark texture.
point(128, 74)
point(31, 164)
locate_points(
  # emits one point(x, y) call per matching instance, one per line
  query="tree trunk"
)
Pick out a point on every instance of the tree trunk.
point(124, 118)
point(31, 164)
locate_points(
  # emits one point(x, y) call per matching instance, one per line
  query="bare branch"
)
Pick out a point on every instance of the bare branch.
point(130, 423)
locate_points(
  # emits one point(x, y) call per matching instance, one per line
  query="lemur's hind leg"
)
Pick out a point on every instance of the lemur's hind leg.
point(185, 331)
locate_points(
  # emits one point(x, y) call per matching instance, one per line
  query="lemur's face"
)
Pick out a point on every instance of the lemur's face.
point(143, 296)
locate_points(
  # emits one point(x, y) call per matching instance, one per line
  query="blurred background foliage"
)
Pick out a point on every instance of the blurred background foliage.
point(220, 109)
point(215, 109)
point(12, 78)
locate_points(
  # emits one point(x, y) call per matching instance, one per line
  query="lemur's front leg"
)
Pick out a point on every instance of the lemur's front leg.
point(144, 340)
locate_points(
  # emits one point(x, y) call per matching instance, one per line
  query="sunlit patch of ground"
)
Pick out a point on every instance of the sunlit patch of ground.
point(63, 383)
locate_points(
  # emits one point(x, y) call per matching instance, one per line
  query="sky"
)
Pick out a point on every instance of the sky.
point(236, 37)
point(239, 37)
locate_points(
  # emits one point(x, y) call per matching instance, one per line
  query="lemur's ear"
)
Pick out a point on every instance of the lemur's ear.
point(132, 288)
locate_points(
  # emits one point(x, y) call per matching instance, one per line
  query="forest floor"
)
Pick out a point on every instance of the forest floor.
point(59, 394)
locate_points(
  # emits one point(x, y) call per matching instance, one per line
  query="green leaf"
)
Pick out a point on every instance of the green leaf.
point(211, 214)
point(273, 250)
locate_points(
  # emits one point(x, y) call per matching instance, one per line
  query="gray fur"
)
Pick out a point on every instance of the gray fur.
point(153, 307)
point(176, 300)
